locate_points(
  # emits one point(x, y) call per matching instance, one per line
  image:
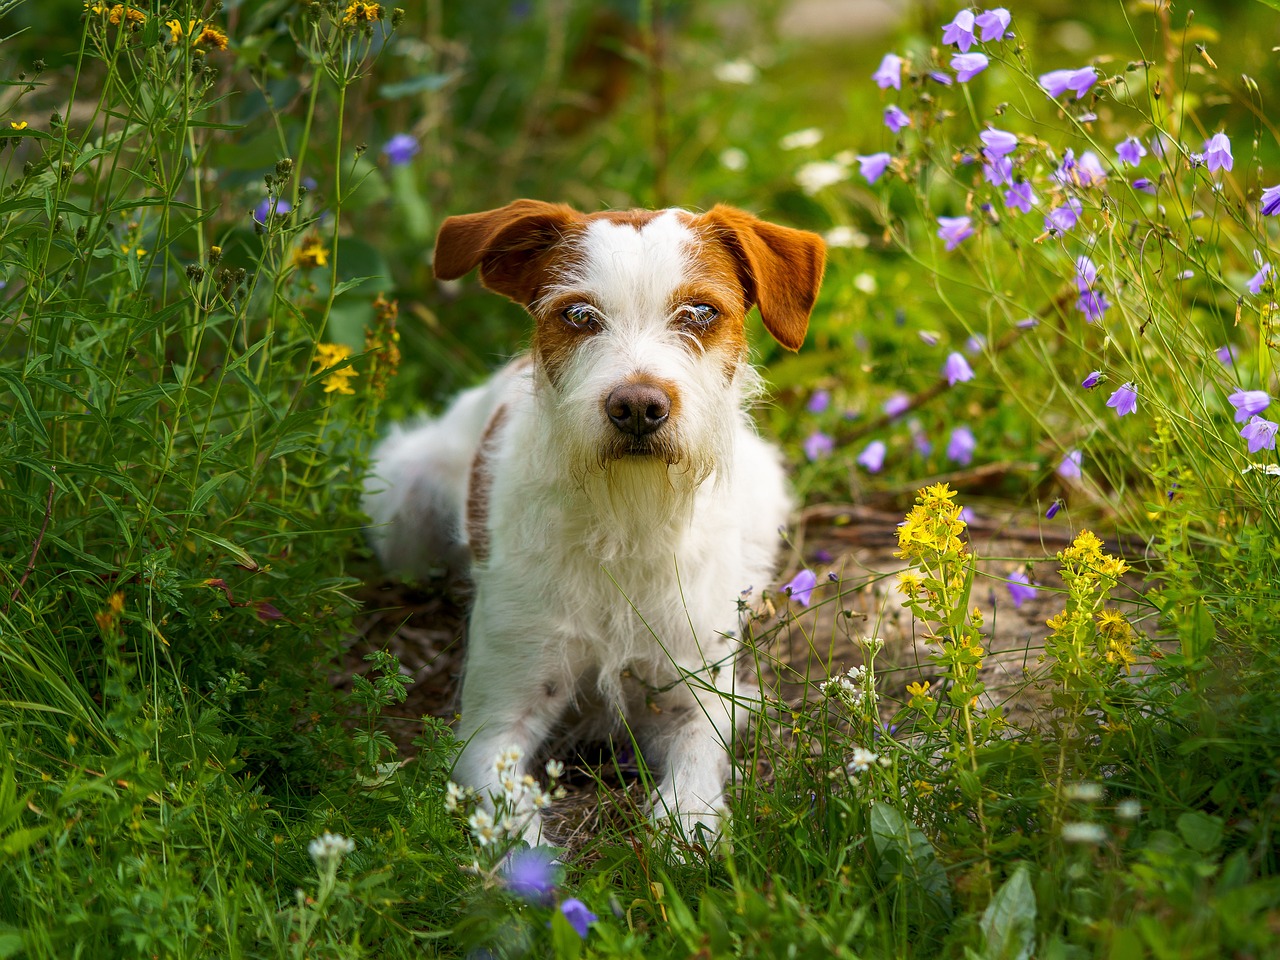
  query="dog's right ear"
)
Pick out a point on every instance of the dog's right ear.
point(507, 244)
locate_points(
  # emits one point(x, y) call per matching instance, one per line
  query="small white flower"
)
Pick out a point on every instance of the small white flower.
point(731, 158)
point(1129, 809)
point(482, 828)
point(808, 137)
point(541, 800)
point(330, 847)
point(861, 759)
point(1091, 833)
point(873, 644)
point(843, 237)
point(454, 795)
point(737, 71)
point(865, 283)
point(1087, 792)
point(819, 174)
point(1270, 469)
point(555, 769)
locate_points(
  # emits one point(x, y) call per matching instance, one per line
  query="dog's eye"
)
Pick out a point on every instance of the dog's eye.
point(698, 314)
point(581, 316)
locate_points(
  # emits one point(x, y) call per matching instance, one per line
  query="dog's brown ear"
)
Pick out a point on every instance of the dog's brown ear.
point(506, 244)
point(780, 269)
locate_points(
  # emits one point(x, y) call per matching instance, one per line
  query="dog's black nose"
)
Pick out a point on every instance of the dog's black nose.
point(638, 408)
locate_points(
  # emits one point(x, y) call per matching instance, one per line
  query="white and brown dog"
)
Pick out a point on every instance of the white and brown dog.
point(608, 490)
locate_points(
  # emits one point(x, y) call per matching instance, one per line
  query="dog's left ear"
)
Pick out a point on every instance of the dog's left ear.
point(780, 269)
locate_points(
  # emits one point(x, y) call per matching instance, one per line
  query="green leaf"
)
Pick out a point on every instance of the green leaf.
point(1201, 831)
point(427, 83)
point(241, 555)
point(906, 856)
point(19, 390)
point(1009, 922)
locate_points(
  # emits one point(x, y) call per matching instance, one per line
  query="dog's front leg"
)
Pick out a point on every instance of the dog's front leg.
point(509, 706)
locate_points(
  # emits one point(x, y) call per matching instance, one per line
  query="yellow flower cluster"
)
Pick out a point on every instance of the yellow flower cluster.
point(330, 355)
point(202, 34)
point(932, 529)
point(312, 253)
point(1084, 558)
point(117, 13)
point(361, 12)
point(382, 343)
point(1085, 636)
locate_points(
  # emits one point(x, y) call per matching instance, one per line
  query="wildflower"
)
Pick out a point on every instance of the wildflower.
point(798, 139)
point(271, 206)
point(1086, 273)
point(819, 401)
point(1271, 201)
point(999, 171)
point(579, 917)
point(1145, 184)
point(483, 829)
point(400, 149)
point(896, 405)
point(1092, 380)
point(531, 874)
point(993, 24)
point(954, 230)
point(211, 38)
point(997, 143)
point(1084, 792)
point(555, 769)
point(1249, 402)
point(956, 368)
point(873, 456)
point(1093, 304)
point(960, 30)
point(1090, 833)
point(1058, 82)
point(361, 12)
point(1260, 433)
point(312, 253)
point(1259, 279)
point(895, 119)
point(1063, 218)
point(1129, 809)
point(1217, 153)
point(968, 65)
point(1027, 323)
point(889, 73)
point(1226, 355)
point(861, 759)
point(329, 848)
point(928, 338)
point(976, 343)
point(1088, 170)
point(330, 355)
point(937, 76)
point(733, 158)
point(17, 124)
point(1053, 509)
point(818, 445)
point(820, 174)
point(1069, 468)
point(1131, 151)
point(1125, 400)
point(800, 587)
point(873, 165)
point(1020, 588)
point(845, 236)
point(742, 72)
point(918, 689)
point(129, 15)
point(1020, 197)
point(961, 446)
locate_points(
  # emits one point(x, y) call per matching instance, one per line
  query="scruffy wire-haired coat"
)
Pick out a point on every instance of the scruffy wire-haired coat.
point(608, 489)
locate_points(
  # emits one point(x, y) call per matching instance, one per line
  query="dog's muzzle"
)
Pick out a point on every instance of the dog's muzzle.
point(638, 409)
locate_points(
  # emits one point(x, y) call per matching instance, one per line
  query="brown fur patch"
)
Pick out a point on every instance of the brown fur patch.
point(480, 487)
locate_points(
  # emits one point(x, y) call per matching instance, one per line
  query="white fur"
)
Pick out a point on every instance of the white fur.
point(610, 587)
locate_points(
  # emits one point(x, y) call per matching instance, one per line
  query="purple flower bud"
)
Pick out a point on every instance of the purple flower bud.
point(954, 230)
point(531, 874)
point(1058, 82)
point(1063, 218)
point(1260, 433)
point(960, 30)
point(1069, 468)
point(1259, 279)
point(1145, 184)
point(940, 77)
point(961, 446)
point(998, 143)
point(993, 24)
point(819, 402)
point(896, 405)
point(800, 587)
point(1125, 400)
point(1053, 509)
point(1217, 152)
point(268, 207)
point(890, 72)
point(1093, 304)
point(400, 149)
point(928, 338)
point(1020, 588)
point(1226, 355)
point(1249, 402)
point(1131, 151)
point(818, 445)
point(1271, 201)
point(956, 369)
point(1092, 380)
point(1020, 197)
point(968, 65)
point(873, 165)
point(579, 917)
point(873, 456)
point(1086, 273)
point(895, 119)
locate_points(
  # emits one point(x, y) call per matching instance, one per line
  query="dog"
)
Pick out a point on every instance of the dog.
point(608, 490)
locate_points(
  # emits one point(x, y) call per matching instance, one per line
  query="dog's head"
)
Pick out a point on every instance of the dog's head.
point(639, 334)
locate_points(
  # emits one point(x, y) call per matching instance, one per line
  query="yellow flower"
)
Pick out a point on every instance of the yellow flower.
point(1112, 623)
point(176, 30)
point(919, 690)
point(312, 253)
point(128, 14)
point(212, 37)
point(361, 12)
point(17, 124)
point(909, 584)
point(331, 354)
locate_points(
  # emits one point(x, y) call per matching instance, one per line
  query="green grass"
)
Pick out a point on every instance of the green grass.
point(190, 395)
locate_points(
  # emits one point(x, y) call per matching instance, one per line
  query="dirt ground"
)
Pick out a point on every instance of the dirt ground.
point(850, 548)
